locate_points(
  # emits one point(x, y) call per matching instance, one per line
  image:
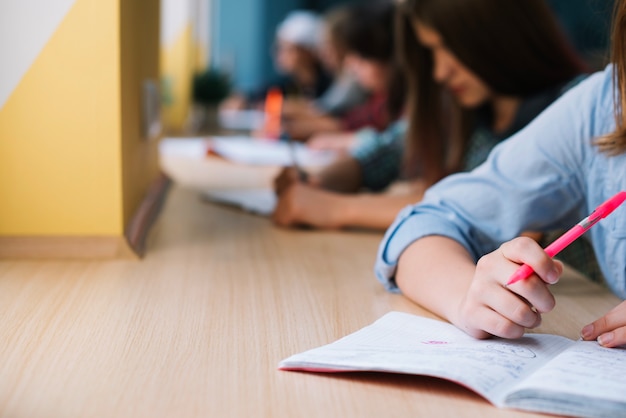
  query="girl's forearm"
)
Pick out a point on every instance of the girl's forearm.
point(344, 176)
point(374, 211)
point(436, 272)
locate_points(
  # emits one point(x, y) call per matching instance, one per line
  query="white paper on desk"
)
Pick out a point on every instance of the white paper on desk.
point(538, 372)
point(256, 151)
point(404, 343)
point(189, 147)
point(260, 201)
point(249, 120)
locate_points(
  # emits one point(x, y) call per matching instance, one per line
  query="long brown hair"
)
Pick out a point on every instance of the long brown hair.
point(615, 143)
point(515, 47)
point(369, 33)
point(335, 21)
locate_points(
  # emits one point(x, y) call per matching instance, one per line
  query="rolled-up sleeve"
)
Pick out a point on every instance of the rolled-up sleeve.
point(412, 223)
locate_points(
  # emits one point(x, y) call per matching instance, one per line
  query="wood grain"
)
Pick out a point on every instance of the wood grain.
point(66, 247)
point(197, 328)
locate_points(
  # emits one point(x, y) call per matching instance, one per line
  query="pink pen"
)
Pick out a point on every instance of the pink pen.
point(602, 211)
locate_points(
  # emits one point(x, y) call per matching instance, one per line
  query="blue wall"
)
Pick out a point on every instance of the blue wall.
point(242, 34)
point(235, 41)
point(275, 12)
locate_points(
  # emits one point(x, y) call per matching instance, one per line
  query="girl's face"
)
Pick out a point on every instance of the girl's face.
point(370, 74)
point(289, 57)
point(467, 88)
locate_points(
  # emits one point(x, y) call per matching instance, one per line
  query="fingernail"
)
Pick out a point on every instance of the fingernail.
point(553, 276)
point(587, 331)
point(605, 339)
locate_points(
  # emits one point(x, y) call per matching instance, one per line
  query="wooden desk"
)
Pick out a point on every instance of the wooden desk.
point(197, 328)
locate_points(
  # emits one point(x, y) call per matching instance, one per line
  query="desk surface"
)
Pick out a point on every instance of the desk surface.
point(198, 327)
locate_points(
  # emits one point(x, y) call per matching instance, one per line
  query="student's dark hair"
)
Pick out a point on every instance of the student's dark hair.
point(615, 143)
point(336, 21)
point(369, 33)
point(515, 47)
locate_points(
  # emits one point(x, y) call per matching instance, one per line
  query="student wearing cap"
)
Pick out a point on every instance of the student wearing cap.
point(296, 60)
point(367, 34)
point(345, 92)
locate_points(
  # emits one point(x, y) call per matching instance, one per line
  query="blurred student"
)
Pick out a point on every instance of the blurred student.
point(478, 71)
point(296, 59)
point(447, 253)
point(369, 45)
point(345, 92)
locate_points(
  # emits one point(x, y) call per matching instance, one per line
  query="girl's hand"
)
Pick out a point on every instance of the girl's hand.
point(285, 179)
point(610, 330)
point(491, 308)
point(341, 142)
point(301, 204)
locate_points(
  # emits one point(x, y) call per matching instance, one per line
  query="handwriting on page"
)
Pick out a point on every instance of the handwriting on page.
point(488, 366)
point(484, 366)
point(585, 369)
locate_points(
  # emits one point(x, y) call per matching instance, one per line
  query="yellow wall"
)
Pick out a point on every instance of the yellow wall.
point(178, 65)
point(71, 159)
point(184, 52)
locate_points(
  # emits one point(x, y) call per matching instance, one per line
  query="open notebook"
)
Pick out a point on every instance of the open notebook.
point(246, 150)
point(539, 372)
point(259, 201)
point(248, 119)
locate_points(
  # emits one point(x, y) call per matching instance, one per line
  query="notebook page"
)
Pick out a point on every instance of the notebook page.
point(404, 343)
point(188, 147)
point(261, 201)
point(255, 151)
point(241, 119)
point(583, 373)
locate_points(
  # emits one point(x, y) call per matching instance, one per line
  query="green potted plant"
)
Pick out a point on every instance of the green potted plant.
point(209, 88)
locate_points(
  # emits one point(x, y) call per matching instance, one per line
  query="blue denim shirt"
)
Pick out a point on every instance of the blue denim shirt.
point(379, 154)
point(547, 176)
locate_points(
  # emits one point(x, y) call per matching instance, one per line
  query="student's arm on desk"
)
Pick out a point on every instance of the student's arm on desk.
point(302, 204)
point(234, 102)
point(297, 108)
point(302, 128)
point(439, 274)
point(336, 141)
point(344, 175)
point(330, 200)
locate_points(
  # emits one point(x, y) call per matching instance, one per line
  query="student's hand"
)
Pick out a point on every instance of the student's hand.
point(301, 129)
point(297, 108)
point(234, 102)
point(332, 141)
point(301, 204)
point(491, 308)
point(610, 330)
point(285, 179)
point(288, 176)
point(260, 133)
